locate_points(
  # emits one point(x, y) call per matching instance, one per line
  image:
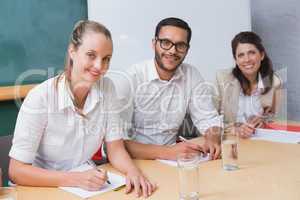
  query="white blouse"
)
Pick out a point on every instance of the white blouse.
point(49, 133)
point(250, 105)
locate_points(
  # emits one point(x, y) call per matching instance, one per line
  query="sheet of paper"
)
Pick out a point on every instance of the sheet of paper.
point(116, 181)
point(174, 163)
point(276, 136)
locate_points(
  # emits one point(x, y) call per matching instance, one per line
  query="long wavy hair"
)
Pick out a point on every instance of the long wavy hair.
point(266, 68)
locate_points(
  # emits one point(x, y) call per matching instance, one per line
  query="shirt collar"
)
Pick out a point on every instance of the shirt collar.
point(95, 95)
point(178, 74)
point(260, 83)
point(260, 86)
point(152, 73)
point(65, 95)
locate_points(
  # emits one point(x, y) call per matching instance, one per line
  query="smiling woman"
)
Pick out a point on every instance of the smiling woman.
point(250, 92)
point(77, 111)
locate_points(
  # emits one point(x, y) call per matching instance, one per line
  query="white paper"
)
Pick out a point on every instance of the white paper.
point(174, 162)
point(116, 181)
point(276, 136)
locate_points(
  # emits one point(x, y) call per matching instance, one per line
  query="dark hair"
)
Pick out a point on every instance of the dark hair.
point(173, 21)
point(266, 68)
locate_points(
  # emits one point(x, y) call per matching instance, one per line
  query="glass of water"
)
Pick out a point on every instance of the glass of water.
point(230, 140)
point(188, 167)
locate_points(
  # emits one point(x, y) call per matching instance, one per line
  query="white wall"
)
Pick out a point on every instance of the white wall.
point(133, 22)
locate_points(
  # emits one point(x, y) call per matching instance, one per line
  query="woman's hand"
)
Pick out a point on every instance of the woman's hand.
point(268, 114)
point(136, 181)
point(247, 129)
point(256, 121)
point(91, 180)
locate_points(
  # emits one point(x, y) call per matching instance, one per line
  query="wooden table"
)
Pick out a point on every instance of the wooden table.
point(268, 171)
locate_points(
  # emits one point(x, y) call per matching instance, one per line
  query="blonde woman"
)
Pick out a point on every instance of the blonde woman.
point(65, 119)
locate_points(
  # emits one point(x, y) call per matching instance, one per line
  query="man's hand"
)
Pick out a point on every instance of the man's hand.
point(184, 147)
point(212, 142)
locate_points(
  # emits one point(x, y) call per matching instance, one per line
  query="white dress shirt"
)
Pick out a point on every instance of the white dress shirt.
point(250, 105)
point(159, 106)
point(49, 133)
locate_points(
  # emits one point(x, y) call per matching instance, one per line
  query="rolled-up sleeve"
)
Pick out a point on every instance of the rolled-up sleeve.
point(115, 124)
point(30, 125)
point(202, 107)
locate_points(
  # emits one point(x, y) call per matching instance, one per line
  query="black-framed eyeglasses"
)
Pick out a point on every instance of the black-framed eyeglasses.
point(166, 44)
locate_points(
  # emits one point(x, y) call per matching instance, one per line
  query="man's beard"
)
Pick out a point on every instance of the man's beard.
point(160, 64)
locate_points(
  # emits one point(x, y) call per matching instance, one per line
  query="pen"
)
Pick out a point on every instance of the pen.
point(248, 124)
point(91, 163)
point(182, 139)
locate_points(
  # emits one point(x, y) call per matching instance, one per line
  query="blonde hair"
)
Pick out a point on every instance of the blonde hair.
point(80, 29)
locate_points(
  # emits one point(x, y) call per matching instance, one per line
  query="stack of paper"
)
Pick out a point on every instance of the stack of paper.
point(276, 136)
point(174, 162)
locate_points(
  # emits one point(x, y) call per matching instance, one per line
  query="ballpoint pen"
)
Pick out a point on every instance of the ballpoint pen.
point(247, 123)
point(182, 139)
point(91, 163)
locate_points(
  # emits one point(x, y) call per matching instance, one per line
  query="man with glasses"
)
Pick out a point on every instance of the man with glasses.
point(163, 90)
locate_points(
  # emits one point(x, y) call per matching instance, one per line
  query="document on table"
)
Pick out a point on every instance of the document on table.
point(174, 162)
point(116, 181)
point(276, 136)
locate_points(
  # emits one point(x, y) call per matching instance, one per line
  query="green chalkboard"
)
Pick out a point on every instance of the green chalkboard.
point(8, 116)
point(34, 36)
